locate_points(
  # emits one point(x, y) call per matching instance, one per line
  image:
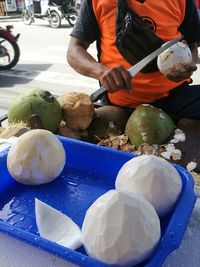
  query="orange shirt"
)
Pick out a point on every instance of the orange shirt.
point(167, 16)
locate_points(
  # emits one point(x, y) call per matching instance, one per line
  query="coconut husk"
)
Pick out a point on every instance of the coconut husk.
point(1, 130)
point(108, 121)
point(64, 130)
point(196, 177)
point(78, 110)
point(14, 129)
point(119, 142)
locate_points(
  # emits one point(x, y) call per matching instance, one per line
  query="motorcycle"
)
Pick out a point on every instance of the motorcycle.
point(54, 11)
point(9, 49)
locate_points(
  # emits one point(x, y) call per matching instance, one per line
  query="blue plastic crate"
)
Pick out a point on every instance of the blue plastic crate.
point(90, 171)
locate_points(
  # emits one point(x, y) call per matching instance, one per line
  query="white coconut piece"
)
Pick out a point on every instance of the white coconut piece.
point(37, 157)
point(152, 177)
point(166, 154)
point(191, 166)
point(174, 59)
point(177, 131)
point(170, 147)
point(176, 154)
point(57, 227)
point(120, 229)
point(174, 141)
point(180, 137)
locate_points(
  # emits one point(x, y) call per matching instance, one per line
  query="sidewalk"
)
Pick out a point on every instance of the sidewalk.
point(11, 16)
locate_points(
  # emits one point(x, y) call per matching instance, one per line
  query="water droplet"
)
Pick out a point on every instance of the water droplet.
point(72, 183)
point(171, 233)
point(22, 218)
point(30, 227)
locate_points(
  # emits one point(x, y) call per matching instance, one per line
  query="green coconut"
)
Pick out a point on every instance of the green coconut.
point(108, 120)
point(150, 125)
point(39, 102)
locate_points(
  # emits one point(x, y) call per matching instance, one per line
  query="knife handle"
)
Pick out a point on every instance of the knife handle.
point(97, 95)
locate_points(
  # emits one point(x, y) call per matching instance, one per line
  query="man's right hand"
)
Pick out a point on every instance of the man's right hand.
point(112, 79)
point(116, 78)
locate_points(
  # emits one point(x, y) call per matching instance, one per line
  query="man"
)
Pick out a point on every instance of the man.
point(170, 19)
point(29, 6)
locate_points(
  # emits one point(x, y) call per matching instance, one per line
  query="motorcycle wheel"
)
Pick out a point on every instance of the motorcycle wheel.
point(54, 19)
point(9, 53)
point(27, 18)
point(72, 19)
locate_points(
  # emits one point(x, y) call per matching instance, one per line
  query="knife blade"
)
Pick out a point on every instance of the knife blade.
point(138, 66)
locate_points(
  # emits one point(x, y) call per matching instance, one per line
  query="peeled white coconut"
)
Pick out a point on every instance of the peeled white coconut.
point(174, 59)
point(37, 157)
point(120, 229)
point(57, 227)
point(152, 177)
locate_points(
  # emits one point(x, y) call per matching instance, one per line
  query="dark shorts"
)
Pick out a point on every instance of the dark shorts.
point(182, 102)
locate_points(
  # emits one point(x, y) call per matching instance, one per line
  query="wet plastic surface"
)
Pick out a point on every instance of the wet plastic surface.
point(90, 171)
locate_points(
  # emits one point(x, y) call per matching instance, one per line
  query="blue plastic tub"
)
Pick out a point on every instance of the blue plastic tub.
point(89, 172)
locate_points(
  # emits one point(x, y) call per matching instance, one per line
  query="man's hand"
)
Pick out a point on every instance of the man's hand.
point(116, 78)
point(186, 73)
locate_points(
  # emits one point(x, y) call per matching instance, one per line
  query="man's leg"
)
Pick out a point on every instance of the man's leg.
point(182, 102)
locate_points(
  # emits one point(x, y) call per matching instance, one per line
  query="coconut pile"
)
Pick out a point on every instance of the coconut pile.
point(147, 130)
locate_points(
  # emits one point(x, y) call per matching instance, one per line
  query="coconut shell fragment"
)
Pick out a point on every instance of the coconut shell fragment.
point(78, 110)
point(14, 129)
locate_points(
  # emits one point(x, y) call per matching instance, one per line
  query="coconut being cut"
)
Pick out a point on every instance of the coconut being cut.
point(120, 229)
point(37, 157)
point(174, 59)
point(152, 177)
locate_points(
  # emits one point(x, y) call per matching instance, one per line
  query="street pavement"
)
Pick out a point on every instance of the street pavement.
point(43, 63)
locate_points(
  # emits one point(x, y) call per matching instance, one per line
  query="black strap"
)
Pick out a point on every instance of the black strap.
point(134, 39)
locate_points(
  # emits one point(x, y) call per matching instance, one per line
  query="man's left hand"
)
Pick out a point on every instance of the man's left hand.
point(179, 76)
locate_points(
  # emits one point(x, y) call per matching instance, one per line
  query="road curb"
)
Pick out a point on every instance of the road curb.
point(10, 17)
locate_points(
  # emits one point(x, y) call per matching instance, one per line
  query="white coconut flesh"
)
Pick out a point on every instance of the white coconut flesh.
point(174, 59)
point(37, 157)
point(120, 229)
point(152, 177)
point(57, 227)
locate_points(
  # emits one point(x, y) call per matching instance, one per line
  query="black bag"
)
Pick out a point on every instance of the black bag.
point(134, 39)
